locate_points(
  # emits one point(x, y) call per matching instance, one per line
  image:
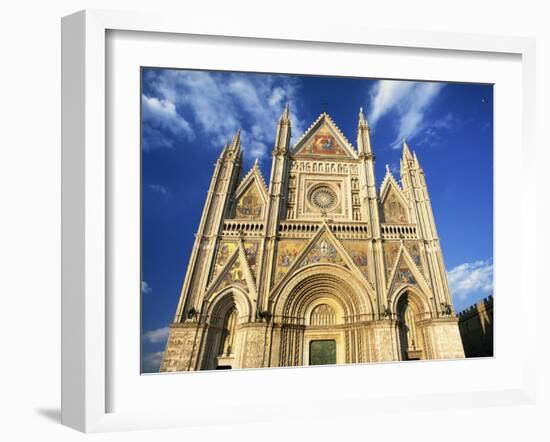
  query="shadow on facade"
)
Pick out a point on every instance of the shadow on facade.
point(476, 329)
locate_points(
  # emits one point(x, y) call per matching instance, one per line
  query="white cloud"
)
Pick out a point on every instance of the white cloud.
point(157, 335)
point(160, 116)
point(219, 104)
point(145, 288)
point(471, 278)
point(150, 362)
point(408, 101)
point(158, 188)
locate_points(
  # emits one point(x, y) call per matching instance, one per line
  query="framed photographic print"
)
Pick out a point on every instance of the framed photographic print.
point(257, 214)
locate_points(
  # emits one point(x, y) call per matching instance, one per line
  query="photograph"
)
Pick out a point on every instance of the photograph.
point(292, 220)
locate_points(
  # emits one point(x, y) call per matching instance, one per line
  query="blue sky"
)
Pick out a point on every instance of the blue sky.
point(188, 115)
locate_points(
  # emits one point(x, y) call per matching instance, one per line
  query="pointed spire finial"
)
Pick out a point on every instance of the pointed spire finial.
point(406, 150)
point(286, 112)
point(388, 168)
point(236, 143)
point(256, 162)
point(362, 120)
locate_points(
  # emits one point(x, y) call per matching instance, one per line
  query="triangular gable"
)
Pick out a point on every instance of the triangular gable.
point(322, 251)
point(324, 247)
point(405, 272)
point(324, 138)
point(236, 271)
point(251, 196)
point(394, 204)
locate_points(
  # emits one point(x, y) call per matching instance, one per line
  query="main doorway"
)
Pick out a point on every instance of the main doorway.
point(322, 352)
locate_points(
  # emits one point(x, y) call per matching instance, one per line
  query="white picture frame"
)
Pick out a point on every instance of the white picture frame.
point(87, 203)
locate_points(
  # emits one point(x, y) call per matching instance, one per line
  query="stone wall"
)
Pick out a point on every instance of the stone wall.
point(476, 329)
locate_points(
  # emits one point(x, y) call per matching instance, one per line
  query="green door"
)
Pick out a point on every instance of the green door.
point(322, 352)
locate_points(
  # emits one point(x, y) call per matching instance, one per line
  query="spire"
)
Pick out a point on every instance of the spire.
point(362, 120)
point(363, 135)
point(406, 151)
point(282, 141)
point(236, 143)
point(286, 113)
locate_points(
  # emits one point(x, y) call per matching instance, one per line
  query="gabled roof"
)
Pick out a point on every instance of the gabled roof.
point(314, 141)
point(390, 182)
point(238, 261)
point(254, 174)
point(404, 257)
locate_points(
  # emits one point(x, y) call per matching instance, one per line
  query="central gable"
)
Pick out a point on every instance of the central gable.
point(323, 251)
point(324, 138)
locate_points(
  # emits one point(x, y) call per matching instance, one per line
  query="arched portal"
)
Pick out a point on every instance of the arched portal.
point(318, 310)
point(411, 343)
point(226, 312)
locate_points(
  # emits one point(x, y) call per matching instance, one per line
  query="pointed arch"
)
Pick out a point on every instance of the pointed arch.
point(419, 298)
point(410, 308)
point(225, 310)
point(219, 303)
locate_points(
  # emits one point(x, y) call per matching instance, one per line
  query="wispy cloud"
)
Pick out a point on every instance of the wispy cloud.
point(407, 101)
point(150, 362)
point(217, 104)
point(471, 278)
point(433, 133)
point(158, 188)
point(145, 288)
point(157, 335)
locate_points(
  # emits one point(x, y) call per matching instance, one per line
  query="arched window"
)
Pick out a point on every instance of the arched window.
point(323, 314)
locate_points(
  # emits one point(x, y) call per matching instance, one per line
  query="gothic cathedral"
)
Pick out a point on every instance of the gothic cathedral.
point(318, 267)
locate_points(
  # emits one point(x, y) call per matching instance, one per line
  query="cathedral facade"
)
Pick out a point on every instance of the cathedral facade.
point(320, 266)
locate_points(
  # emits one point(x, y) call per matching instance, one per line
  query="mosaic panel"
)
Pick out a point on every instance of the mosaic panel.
point(404, 276)
point(394, 212)
point(358, 253)
point(414, 250)
point(391, 249)
point(251, 252)
point(250, 205)
point(225, 251)
point(287, 252)
point(323, 143)
point(323, 252)
point(233, 275)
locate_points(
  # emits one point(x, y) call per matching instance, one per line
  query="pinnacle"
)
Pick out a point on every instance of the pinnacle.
point(286, 112)
point(362, 120)
point(406, 150)
point(237, 140)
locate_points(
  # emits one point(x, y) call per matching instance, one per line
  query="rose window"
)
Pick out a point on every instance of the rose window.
point(323, 197)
